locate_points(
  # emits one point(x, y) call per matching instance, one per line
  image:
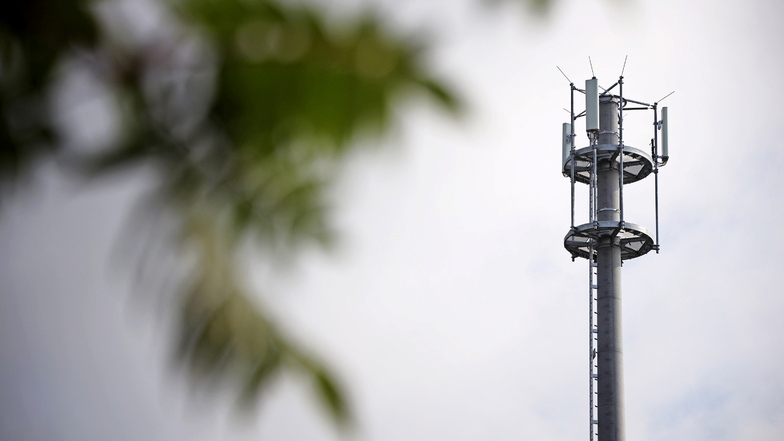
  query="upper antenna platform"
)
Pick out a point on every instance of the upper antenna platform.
point(604, 125)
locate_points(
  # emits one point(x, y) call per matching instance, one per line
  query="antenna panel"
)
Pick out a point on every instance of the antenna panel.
point(665, 154)
point(592, 105)
point(566, 142)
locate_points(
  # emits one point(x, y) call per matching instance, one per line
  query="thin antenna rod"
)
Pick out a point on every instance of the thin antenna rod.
point(624, 65)
point(591, 62)
point(665, 96)
point(655, 154)
point(571, 152)
point(562, 73)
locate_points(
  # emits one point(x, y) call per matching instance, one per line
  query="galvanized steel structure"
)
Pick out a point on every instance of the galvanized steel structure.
point(607, 239)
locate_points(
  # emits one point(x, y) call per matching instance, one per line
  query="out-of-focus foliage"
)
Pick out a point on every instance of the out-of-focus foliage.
point(244, 109)
point(33, 36)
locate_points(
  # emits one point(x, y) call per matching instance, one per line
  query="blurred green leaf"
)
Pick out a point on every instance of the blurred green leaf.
point(331, 394)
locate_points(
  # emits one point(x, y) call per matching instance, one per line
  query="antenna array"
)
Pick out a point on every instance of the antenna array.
point(605, 165)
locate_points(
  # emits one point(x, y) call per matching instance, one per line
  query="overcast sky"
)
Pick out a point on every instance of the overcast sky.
point(451, 310)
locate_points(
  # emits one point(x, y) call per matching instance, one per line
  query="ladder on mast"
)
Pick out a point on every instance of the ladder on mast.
point(593, 334)
point(593, 298)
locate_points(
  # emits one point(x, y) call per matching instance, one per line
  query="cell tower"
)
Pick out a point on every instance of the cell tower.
point(607, 239)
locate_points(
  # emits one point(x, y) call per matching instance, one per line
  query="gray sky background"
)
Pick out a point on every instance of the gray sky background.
point(451, 310)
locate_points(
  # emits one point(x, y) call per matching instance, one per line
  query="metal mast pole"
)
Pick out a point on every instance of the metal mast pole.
point(607, 165)
point(610, 355)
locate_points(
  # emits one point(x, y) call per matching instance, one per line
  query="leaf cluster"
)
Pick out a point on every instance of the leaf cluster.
point(245, 110)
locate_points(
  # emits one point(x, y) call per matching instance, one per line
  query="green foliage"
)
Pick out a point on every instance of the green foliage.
point(245, 108)
point(245, 136)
